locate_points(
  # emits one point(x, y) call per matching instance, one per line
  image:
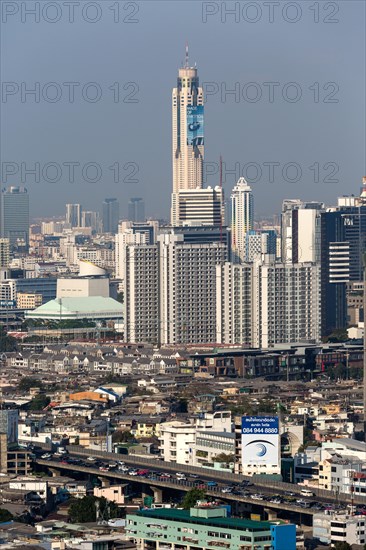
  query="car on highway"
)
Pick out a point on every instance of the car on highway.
point(132, 472)
point(257, 496)
point(276, 500)
point(227, 490)
point(90, 459)
point(303, 503)
point(104, 468)
point(211, 484)
point(112, 465)
point(142, 472)
point(46, 456)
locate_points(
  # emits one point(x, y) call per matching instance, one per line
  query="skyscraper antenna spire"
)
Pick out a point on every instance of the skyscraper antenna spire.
point(187, 56)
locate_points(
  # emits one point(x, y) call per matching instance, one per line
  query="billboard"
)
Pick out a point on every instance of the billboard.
point(195, 125)
point(260, 440)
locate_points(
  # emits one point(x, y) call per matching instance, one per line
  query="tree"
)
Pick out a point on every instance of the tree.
point(342, 546)
point(39, 402)
point(85, 510)
point(27, 382)
point(5, 515)
point(225, 458)
point(120, 436)
point(7, 343)
point(190, 499)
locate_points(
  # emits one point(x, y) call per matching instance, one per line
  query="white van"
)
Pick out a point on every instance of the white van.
point(306, 493)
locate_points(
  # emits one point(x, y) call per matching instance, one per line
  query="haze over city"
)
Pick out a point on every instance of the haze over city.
point(324, 126)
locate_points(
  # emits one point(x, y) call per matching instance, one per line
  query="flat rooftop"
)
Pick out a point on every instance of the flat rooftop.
point(183, 516)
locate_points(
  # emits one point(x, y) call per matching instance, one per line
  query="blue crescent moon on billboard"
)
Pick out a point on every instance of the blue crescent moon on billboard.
point(261, 446)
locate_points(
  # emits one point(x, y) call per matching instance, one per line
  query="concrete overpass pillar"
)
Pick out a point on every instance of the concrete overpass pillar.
point(54, 472)
point(158, 494)
point(104, 481)
point(272, 514)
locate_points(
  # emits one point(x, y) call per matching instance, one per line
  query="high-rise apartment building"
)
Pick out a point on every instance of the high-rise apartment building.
point(187, 277)
point(131, 233)
point(136, 209)
point(201, 206)
point(260, 241)
point(242, 218)
point(234, 304)
point(14, 216)
point(73, 214)
point(141, 287)
point(264, 303)
point(187, 134)
point(300, 231)
point(170, 288)
point(287, 305)
point(4, 253)
point(110, 215)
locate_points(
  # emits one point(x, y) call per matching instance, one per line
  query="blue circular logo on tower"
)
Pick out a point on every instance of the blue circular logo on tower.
point(262, 449)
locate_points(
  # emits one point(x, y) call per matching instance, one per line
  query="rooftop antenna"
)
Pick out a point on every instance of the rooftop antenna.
point(187, 56)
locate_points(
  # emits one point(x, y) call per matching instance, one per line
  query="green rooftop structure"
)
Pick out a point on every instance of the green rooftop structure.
point(205, 527)
point(86, 307)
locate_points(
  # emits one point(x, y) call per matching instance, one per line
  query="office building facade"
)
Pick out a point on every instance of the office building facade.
point(201, 206)
point(110, 215)
point(74, 215)
point(136, 209)
point(14, 216)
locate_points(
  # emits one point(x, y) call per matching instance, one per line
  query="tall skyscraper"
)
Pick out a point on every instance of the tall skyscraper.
point(242, 218)
point(188, 134)
point(110, 215)
point(14, 216)
point(91, 219)
point(136, 209)
point(73, 214)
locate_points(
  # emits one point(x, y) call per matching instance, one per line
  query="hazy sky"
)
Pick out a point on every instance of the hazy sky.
point(274, 52)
